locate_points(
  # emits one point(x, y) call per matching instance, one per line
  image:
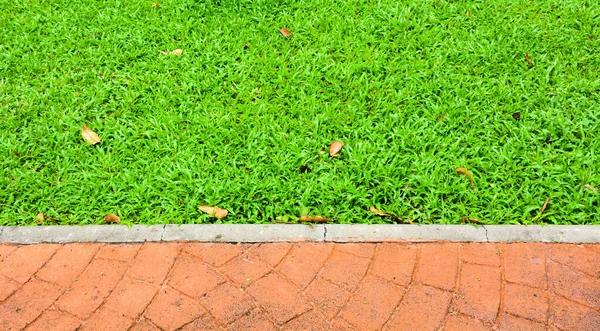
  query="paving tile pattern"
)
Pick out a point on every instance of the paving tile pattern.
point(300, 286)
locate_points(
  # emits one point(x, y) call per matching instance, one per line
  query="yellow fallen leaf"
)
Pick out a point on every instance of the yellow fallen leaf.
point(89, 136)
point(40, 218)
point(335, 148)
point(377, 211)
point(214, 211)
point(176, 52)
point(156, 5)
point(112, 218)
point(589, 187)
point(466, 172)
point(285, 32)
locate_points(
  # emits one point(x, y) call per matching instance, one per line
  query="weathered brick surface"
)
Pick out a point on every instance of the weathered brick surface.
point(438, 265)
point(372, 304)
point(280, 299)
point(479, 291)
point(171, 310)
point(227, 303)
point(301, 286)
point(345, 270)
point(525, 264)
point(107, 319)
point(87, 293)
point(328, 297)
point(7, 287)
point(131, 297)
point(22, 263)
point(511, 323)
point(153, 262)
point(575, 285)
point(481, 253)
point(464, 323)
point(27, 304)
point(68, 263)
point(304, 261)
point(119, 252)
point(527, 302)
point(395, 263)
point(193, 277)
point(55, 320)
point(567, 315)
point(422, 308)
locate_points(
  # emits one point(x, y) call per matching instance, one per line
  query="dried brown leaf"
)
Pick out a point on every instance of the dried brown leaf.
point(176, 52)
point(112, 218)
point(156, 5)
point(377, 211)
point(386, 215)
point(590, 187)
point(335, 148)
point(544, 206)
point(473, 220)
point(246, 45)
point(285, 32)
point(529, 62)
point(314, 219)
point(466, 172)
point(517, 115)
point(214, 211)
point(89, 136)
point(40, 218)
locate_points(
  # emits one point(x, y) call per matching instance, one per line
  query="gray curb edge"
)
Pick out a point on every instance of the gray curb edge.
point(255, 233)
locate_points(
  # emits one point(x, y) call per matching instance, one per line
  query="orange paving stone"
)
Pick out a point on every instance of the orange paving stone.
point(301, 286)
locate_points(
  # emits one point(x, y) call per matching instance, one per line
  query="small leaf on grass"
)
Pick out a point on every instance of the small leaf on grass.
point(386, 215)
point(544, 206)
point(156, 5)
point(89, 136)
point(304, 169)
point(112, 218)
point(335, 148)
point(285, 32)
point(246, 46)
point(517, 115)
point(40, 218)
point(590, 187)
point(314, 219)
point(214, 211)
point(176, 52)
point(466, 172)
point(529, 62)
point(468, 219)
point(377, 211)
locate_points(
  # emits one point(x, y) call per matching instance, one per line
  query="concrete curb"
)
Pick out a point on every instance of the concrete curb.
point(250, 233)
point(298, 232)
point(403, 232)
point(244, 232)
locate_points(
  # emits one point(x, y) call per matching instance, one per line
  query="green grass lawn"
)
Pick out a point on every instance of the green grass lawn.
point(415, 89)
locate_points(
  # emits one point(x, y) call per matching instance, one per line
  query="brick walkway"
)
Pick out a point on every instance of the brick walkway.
point(304, 286)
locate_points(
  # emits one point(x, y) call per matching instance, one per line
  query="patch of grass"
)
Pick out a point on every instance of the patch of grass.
point(415, 90)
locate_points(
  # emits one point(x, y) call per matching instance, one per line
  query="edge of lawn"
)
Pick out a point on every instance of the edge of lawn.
point(261, 233)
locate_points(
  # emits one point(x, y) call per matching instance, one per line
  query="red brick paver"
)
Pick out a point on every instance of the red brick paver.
point(301, 286)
